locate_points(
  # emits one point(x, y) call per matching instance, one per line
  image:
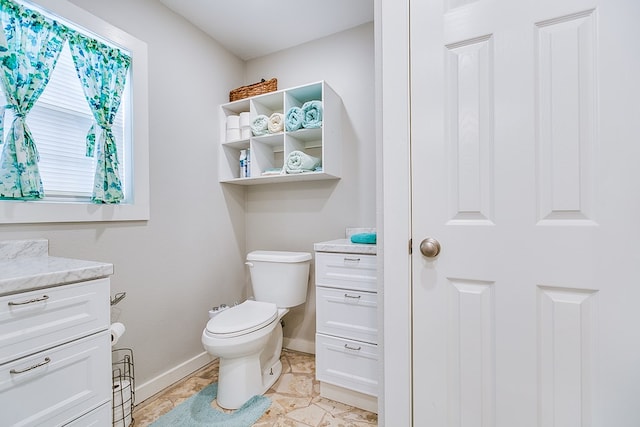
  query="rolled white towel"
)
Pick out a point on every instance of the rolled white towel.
point(276, 123)
point(298, 162)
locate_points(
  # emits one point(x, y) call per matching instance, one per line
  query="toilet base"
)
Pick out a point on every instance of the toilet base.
point(271, 375)
point(241, 378)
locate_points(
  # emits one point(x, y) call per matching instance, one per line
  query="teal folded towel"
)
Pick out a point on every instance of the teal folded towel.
point(298, 162)
point(293, 119)
point(368, 238)
point(312, 114)
point(260, 125)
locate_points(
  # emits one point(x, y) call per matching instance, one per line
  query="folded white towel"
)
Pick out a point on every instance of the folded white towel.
point(298, 162)
point(276, 123)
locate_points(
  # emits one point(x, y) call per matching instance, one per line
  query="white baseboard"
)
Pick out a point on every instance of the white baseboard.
point(349, 397)
point(297, 344)
point(173, 375)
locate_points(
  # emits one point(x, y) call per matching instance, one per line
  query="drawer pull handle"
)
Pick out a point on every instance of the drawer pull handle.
point(352, 348)
point(16, 371)
point(347, 259)
point(352, 296)
point(31, 301)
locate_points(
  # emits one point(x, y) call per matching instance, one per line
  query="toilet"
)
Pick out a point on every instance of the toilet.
point(248, 337)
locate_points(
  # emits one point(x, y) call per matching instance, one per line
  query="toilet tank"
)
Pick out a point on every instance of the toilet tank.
point(279, 277)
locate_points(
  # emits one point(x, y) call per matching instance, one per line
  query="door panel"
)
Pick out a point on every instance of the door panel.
point(566, 119)
point(469, 74)
point(524, 168)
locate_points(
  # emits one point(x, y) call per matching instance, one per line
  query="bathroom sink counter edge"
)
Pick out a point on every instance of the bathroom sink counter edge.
point(345, 246)
point(25, 265)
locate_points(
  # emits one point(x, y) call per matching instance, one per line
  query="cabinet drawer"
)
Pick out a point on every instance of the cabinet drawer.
point(349, 364)
point(347, 313)
point(99, 417)
point(52, 387)
point(349, 271)
point(36, 320)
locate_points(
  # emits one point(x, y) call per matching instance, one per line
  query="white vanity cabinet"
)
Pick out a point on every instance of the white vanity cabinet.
point(55, 344)
point(346, 324)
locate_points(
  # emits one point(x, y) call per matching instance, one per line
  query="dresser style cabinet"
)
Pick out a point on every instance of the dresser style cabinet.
point(55, 344)
point(55, 355)
point(346, 325)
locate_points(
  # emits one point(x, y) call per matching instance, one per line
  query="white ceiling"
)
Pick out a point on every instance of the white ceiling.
point(253, 28)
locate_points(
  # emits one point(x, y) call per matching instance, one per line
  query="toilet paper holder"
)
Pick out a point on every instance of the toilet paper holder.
point(123, 380)
point(118, 297)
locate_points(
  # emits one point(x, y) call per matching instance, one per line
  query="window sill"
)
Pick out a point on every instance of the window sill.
point(24, 212)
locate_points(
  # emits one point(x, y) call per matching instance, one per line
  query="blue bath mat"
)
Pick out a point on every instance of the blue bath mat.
point(197, 411)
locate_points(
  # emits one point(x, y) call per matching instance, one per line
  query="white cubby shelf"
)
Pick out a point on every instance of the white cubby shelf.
point(270, 151)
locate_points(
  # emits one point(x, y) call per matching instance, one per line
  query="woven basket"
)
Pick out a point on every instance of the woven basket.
point(259, 88)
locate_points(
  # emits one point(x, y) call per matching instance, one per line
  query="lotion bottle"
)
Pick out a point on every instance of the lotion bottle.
point(247, 169)
point(243, 163)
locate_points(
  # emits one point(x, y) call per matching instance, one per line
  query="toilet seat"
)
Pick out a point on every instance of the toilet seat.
point(242, 319)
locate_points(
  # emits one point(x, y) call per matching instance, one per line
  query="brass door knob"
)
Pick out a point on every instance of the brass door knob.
point(430, 247)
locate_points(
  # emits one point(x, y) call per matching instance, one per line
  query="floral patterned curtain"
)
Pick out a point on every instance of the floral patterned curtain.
point(33, 46)
point(102, 71)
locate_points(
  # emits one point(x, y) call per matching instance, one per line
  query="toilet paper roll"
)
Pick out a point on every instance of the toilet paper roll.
point(117, 330)
point(233, 134)
point(233, 122)
point(122, 403)
point(120, 420)
point(245, 119)
point(245, 132)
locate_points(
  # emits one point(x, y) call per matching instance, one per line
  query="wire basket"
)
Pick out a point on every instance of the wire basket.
point(123, 379)
point(263, 86)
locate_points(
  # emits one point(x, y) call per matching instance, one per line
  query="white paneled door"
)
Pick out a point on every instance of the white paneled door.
point(525, 139)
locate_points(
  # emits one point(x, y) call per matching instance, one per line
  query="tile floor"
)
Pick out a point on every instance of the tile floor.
point(295, 397)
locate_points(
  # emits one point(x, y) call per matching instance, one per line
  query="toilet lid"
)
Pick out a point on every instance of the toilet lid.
point(243, 318)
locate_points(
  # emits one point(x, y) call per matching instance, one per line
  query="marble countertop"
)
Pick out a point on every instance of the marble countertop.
point(344, 246)
point(25, 266)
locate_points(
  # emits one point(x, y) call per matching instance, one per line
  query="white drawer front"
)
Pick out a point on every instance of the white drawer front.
point(347, 313)
point(349, 271)
point(64, 381)
point(37, 320)
point(346, 363)
point(99, 417)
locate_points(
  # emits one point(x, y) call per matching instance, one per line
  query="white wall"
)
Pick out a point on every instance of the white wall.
point(294, 216)
point(189, 255)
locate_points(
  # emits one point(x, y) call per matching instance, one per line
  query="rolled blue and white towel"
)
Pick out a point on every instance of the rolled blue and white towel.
point(293, 119)
point(276, 123)
point(260, 125)
point(298, 162)
point(312, 111)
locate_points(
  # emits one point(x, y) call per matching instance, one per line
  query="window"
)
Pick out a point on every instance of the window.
point(59, 122)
